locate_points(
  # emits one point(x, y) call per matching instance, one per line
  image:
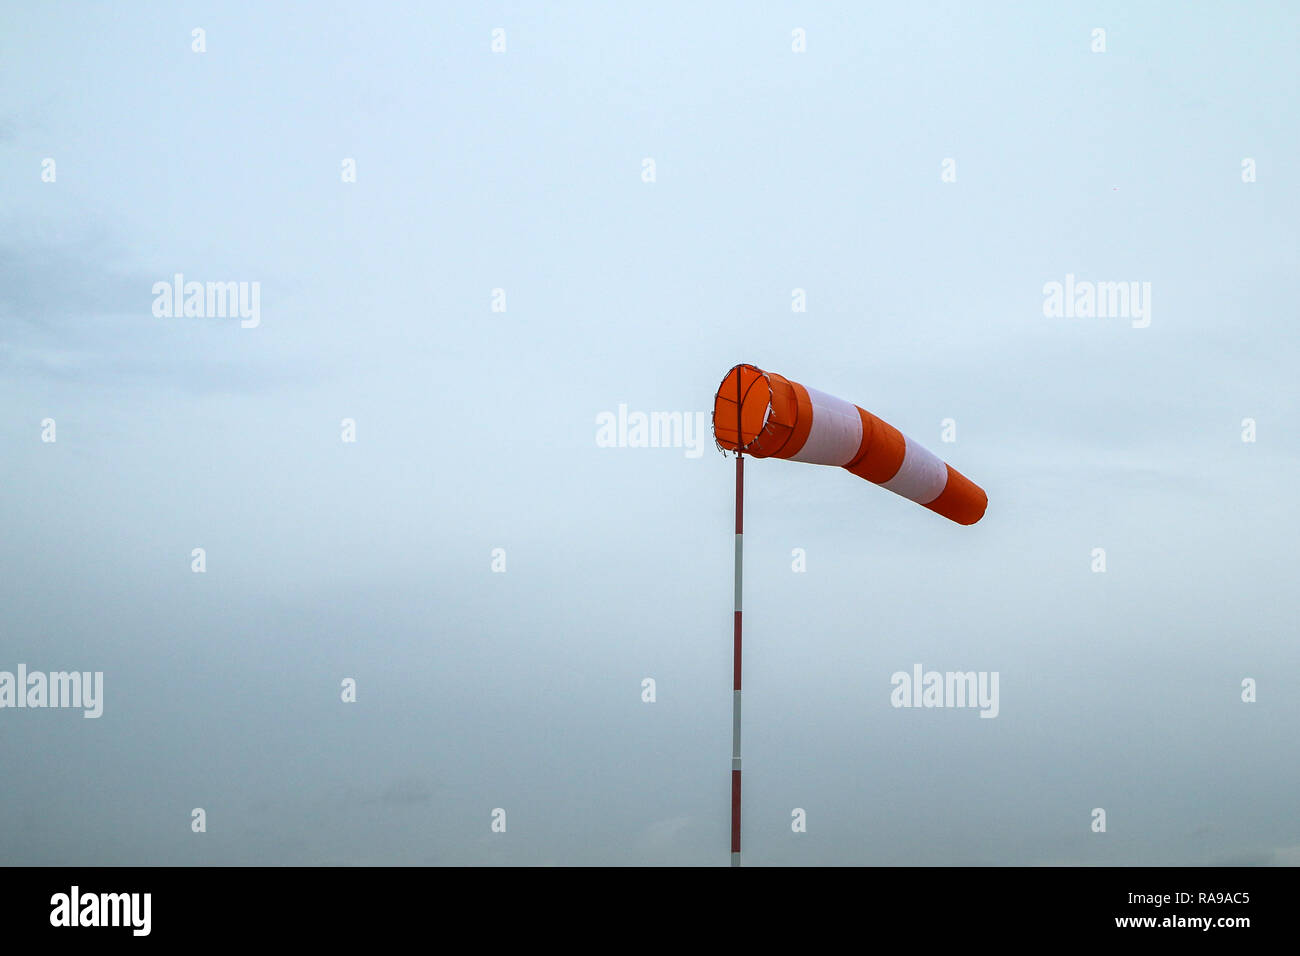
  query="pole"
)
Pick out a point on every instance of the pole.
point(735, 665)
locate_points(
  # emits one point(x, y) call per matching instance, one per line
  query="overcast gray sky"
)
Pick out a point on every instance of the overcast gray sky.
point(523, 170)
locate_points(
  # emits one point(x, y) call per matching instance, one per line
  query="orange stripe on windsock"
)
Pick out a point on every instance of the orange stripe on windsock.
point(782, 419)
point(802, 424)
point(961, 500)
point(881, 451)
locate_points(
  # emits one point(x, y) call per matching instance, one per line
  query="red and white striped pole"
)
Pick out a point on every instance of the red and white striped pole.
point(735, 665)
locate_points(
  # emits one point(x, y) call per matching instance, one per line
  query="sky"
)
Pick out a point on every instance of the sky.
point(869, 200)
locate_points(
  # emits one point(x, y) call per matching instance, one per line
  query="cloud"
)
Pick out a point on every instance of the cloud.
point(1286, 856)
point(665, 834)
point(1276, 856)
point(72, 311)
point(406, 792)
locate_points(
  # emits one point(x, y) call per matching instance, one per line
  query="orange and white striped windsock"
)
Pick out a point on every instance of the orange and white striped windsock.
point(779, 418)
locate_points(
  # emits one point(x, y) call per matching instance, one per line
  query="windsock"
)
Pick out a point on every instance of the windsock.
point(779, 418)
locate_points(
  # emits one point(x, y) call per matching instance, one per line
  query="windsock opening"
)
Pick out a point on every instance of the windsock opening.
point(754, 393)
point(775, 413)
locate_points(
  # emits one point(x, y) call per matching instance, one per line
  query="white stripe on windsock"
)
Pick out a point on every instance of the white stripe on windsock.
point(836, 431)
point(921, 477)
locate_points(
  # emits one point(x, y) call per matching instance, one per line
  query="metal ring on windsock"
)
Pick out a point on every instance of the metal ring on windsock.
point(782, 419)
